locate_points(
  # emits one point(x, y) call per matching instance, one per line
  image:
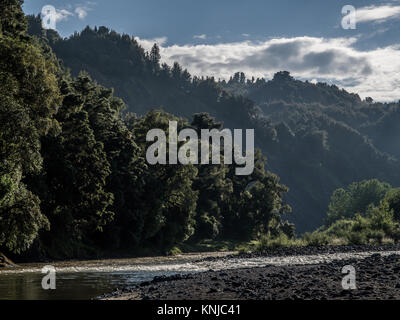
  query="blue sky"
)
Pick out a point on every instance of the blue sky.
point(259, 37)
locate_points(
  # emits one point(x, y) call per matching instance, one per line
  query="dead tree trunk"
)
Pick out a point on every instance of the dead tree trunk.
point(5, 262)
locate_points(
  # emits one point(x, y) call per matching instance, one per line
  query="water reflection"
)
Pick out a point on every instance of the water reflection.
point(70, 286)
point(82, 280)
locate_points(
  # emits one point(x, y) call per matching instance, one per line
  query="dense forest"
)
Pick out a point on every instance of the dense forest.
point(316, 137)
point(324, 138)
point(73, 177)
point(74, 181)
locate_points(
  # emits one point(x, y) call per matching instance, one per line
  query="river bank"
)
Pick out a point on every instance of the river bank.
point(295, 272)
point(87, 279)
point(290, 273)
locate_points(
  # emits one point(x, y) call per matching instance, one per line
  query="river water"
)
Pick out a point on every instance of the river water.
point(83, 280)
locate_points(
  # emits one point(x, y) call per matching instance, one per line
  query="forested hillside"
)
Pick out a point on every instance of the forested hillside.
point(324, 138)
point(73, 177)
point(316, 137)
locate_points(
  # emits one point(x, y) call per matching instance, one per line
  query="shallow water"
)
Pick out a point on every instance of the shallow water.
point(82, 280)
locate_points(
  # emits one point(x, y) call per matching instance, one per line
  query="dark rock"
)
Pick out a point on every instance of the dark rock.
point(144, 284)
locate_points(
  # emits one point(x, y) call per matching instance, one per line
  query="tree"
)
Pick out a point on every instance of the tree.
point(393, 199)
point(211, 185)
point(254, 202)
point(176, 71)
point(168, 195)
point(20, 214)
point(155, 56)
point(282, 76)
point(28, 98)
point(123, 155)
point(12, 19)
point(242, 78)
point(346, 203)
point(74, 195)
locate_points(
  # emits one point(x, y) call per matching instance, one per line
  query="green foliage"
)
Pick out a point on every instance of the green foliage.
point(12, 19)
point(254, 202)
point(168, 195)
point(20, 215)
point(174, 251)
point(375, 226)
point(124, 179)
point(393, 200)
point(356, 199)
point(340, 228)
point(212, 186)
point(316, 239)
point(356, 238)
point(72, 185)
point(78, 165)
point(317, 137)
point(28, 97)
point(73, 174)
point(265, 242)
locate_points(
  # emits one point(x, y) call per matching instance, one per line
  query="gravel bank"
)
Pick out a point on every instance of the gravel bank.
point(377, 277)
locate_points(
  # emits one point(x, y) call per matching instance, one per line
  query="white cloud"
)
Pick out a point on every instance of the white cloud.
point(378, 13)
point(81, 12)
point(147, 44)
point(369, 73)
point(200, 36)
point(62, 14)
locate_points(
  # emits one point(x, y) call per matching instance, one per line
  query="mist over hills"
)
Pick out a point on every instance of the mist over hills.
point(316, 137)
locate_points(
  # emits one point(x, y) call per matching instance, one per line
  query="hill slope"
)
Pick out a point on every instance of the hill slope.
point(316, 137)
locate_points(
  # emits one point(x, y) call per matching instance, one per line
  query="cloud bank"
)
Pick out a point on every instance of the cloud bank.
point(369, 73)
point(378, 14)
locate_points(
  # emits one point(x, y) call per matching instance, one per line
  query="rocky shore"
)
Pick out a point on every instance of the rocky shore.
point(377, 277)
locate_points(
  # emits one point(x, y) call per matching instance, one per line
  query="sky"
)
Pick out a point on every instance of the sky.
point(259, 37)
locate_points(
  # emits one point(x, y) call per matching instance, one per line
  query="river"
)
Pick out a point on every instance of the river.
point(83, 280)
